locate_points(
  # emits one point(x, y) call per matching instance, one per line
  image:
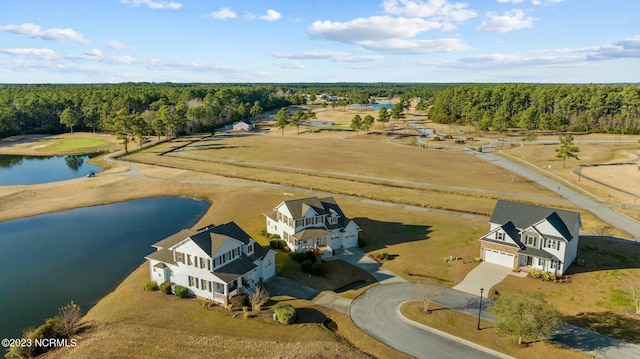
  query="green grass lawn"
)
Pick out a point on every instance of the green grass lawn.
point(79, 143)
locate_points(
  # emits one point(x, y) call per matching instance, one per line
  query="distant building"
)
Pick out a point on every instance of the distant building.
point(214, 263)
point(243, 125)
point(310, 223)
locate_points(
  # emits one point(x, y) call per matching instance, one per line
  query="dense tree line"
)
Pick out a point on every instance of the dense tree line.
point(593, 108)
point(160, 109)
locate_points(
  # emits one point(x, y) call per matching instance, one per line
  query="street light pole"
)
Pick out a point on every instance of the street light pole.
point(480, 307)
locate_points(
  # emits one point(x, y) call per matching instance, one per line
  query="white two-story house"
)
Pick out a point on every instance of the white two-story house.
point(527, 236)
point(216, 262)
point(313, 223)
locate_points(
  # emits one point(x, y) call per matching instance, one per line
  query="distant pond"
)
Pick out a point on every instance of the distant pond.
point(370, 106)
point(80, 254)
point(17, 169)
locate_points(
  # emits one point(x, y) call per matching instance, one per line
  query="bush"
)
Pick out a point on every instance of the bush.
point(286, 249)
point(273, 243)
point(479, 148)
point(317, 269)
point(50, 329)
point(274, 236)
point(298, 257)
point(282, 244)
point(69, 316)
point(361, 242)
point(305, 266)
point(181, 291)
point(459, 142)
point(165, 287)
point(436, 138)
point(151, 285)
point(285, 313)
point(240, 300)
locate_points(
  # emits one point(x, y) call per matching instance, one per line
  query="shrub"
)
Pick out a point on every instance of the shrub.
point(273, 243)
point(317, 269)
point(479, 148)
point(286, 249)
point(459, 142)
point(436, 138)
point(305, 266)
point(69, 316)
point(181, 291)
point(285, 313)
point(151, 285)
point(274, 236)
point(165, 287)
point(50, 329)
point(281, 244)
point(361, 242)
point(298, 257)
point(240, 300)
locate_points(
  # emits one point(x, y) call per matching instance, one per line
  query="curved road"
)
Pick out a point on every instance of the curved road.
point(376, 312)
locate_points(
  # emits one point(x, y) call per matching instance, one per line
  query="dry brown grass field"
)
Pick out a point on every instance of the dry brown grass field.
point(239, 177)
point(463, 325)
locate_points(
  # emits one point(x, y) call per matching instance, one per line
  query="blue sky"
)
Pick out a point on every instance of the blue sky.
point(80, 41)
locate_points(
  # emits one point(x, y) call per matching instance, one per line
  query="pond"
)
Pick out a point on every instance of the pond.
point(81, 254)
point(371, 106)
point(17, 169)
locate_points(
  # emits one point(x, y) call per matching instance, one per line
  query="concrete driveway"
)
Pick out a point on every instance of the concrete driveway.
point(485, 275)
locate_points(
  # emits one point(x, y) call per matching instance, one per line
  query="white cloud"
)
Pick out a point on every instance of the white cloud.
point(223, 13)
point(54, 34)
point(417, 46)
point(511, 1)
point(153, 4)
point(437, 9)
point(375, 28)
point(94, 52)
point(270, 16)
point(114, 44)
point(45, 54)
point(623, 49)
point(336, 56)
point(290, 65)
point(508, 21)
point(546, 2)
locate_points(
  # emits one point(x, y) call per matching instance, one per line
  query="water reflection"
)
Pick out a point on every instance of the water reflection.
point(17, 169)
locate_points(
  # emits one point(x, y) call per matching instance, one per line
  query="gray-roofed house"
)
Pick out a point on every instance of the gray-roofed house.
point(313, 223)
point(526, 236)
point(216, 262)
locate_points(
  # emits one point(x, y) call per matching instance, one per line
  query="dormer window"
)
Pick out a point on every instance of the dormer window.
point(500, 236)
point(333, 220)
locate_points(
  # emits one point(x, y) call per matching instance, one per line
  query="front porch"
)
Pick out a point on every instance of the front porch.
point(527, 263)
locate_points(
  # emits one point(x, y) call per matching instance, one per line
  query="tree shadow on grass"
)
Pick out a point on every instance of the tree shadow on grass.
point(605, 253)
point(309, 315)
point(611, 324)
point(378, 234)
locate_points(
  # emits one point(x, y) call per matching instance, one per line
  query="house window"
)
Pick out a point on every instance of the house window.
point(203, 284)
point(333, 220)
point(500, 236)
point(210, 286)
point(541, 262)
point(180, 257)
point(201, 262)
point(552, 244)
point(189, 262)
point(192, 281)
point(531, 241)
point(250, 248)
point(552, 265)
point(208, 264)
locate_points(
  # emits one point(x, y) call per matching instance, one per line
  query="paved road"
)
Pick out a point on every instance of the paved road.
point(374, 311)
point(603, 212)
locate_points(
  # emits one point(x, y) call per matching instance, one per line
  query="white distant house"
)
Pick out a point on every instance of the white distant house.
point(526, 236)
point(243, 125)
point(313, 223)
point(215, 263)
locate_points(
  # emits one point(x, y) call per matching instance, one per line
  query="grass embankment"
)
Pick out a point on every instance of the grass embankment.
point(64, 144)
point(132, 323)
point(464, 326)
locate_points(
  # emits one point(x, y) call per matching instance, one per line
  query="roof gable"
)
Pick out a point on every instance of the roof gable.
point(525, 215)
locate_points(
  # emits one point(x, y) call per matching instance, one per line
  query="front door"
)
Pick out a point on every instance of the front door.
point(529, 261)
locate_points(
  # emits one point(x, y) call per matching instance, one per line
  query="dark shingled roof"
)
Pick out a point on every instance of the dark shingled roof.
point(311, 233)
point(298, 207)
point(512, 231)
point(174, 239)
point(524, 215)
point(537, 253)
point(234, 269)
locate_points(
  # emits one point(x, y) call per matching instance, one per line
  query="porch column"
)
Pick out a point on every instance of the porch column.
point(226, 290)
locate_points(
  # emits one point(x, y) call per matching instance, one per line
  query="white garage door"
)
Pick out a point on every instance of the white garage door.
point(497, 257)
